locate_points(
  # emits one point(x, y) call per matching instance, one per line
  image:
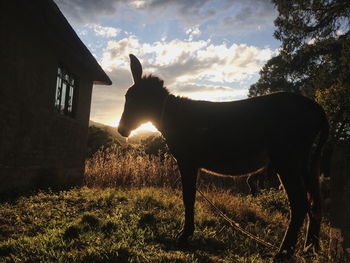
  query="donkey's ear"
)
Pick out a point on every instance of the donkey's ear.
point(136, 68)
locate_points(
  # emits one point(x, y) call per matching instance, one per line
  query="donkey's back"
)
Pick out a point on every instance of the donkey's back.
point(242, 136)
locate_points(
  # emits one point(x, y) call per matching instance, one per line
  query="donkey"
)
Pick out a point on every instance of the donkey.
point(235, 138)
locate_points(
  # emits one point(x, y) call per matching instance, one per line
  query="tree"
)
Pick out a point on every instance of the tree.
point(274, 76)
point(302, 21)
point(314, 59)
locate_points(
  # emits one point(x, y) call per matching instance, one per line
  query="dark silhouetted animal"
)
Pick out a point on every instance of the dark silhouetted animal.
point(237, 137)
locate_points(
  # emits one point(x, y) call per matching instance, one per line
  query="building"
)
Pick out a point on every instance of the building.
point(47, 75)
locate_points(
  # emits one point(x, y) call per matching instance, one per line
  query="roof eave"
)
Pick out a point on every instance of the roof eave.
point(102, 82)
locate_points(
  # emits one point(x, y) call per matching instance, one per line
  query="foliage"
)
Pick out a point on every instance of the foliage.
point(109, 225)
point(99, 138)
point(336, 102)
point(301, 21)
point(273, 77)
point(155, 145)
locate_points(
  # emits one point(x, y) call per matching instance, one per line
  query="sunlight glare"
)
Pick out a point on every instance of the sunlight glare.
point(144, 127)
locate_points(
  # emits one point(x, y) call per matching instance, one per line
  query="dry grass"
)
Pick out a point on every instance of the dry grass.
point(120, 167)
point(132, 167)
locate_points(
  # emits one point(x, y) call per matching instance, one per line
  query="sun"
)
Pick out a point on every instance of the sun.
point(148, 126)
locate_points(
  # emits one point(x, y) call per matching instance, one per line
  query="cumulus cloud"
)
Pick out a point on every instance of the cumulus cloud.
point(184, 61)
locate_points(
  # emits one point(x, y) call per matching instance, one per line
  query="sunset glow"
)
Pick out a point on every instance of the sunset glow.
point(148, 126)
point(144, 127)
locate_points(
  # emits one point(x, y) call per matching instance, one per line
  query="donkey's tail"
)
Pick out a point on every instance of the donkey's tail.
point(314, 194)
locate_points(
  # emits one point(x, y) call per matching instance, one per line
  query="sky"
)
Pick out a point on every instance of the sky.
point(202, 49)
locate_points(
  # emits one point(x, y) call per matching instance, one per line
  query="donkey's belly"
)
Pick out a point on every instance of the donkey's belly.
point(234, 164)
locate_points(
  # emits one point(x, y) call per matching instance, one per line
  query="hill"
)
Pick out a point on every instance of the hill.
point(112, 131)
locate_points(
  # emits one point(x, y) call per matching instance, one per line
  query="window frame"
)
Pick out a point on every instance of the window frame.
point(66, 89)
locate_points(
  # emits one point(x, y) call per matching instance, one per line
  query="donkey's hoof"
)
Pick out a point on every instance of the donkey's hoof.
point(182, 239)
point(282, 256)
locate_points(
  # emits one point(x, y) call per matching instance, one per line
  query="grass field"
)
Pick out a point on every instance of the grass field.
point(138, 225)
point(131, 211)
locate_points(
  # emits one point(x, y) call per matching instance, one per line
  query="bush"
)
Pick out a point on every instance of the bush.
point(155, 145)
point(99, 138)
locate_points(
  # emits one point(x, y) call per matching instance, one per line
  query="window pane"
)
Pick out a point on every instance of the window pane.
point(58, 94)
point(63, 97)
point(71, 80)
point(70, 100)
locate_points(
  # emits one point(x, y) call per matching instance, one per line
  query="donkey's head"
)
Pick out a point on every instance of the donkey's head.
point(143, 100)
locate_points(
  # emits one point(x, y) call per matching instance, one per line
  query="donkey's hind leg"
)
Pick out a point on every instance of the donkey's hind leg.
point(292, 182)
point(314, 213)
point(313, 230)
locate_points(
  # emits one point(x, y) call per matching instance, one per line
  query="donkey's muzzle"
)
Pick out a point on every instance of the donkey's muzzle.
point(123, 131)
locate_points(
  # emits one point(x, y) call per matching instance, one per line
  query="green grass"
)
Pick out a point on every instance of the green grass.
point(109, 225)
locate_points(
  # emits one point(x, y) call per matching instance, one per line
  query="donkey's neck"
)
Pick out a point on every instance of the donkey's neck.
point(168, 111)
point(159, 115)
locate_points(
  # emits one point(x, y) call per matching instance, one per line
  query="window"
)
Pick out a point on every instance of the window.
point(65, 89)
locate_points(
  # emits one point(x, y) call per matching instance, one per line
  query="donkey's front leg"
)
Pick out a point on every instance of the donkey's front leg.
point(188, 178)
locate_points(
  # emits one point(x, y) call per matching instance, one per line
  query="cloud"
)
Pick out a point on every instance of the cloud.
point(104, 31)
point(209, 92)
point(185, 61)
point(183, 65)
point(250, 16)
point(193, 32)
point(228, 16)
point(108, 101)
point(87, 11)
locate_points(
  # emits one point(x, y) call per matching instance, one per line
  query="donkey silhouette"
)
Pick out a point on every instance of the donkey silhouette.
point(235, 138)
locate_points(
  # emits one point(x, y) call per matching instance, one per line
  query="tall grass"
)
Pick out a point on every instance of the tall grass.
point(130, 167)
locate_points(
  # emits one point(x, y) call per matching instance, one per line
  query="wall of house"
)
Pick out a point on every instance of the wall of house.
point(38, 147)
